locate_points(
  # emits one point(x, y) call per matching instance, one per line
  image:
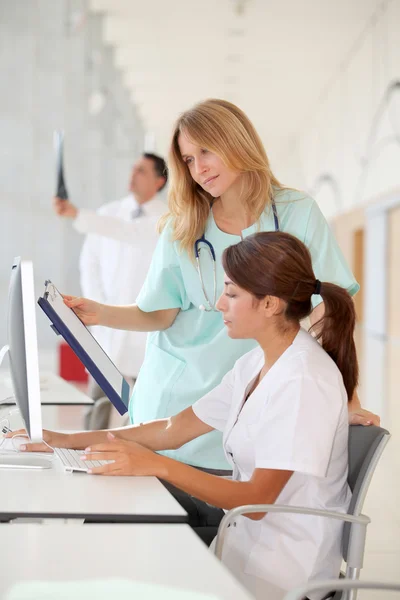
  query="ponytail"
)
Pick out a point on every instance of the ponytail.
point(336, 331)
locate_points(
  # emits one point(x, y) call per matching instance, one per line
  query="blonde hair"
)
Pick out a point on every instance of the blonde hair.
point(222, 128)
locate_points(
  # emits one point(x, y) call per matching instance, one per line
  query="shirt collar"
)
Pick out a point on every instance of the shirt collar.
point(154, 207)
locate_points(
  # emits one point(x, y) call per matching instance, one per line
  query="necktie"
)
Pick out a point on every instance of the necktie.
point(137, 212)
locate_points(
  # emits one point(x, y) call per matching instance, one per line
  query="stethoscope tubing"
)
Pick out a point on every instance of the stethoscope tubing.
point(210, 307)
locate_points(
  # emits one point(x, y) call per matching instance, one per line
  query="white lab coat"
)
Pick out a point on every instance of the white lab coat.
point(297, 420)
point(114, 261)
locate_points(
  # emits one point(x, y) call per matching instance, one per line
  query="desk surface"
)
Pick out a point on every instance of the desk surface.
point(52, 493)
point(53, 390)
point(169, 555)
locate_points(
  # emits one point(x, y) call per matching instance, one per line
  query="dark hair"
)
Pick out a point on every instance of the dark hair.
point(278, 264)
point(160, 166)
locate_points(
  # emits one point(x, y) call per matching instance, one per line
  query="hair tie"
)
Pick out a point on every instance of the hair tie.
point(317, 289)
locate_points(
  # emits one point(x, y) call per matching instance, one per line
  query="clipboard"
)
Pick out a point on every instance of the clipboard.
point(61, 191)
point(65, 322)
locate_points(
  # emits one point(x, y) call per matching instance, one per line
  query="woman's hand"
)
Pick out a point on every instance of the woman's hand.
point(129, 458)
point(89, 311)
point(64, 208)
point(52, 439)
point(361, 416)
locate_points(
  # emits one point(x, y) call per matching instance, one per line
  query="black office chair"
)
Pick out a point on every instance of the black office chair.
point(366, 445)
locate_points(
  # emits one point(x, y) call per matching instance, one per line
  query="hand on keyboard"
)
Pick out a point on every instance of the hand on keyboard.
point(128, 458)
point(12, 446)
point(72, 460)
point(51, 439)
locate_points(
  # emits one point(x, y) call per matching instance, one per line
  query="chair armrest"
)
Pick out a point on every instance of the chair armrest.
point(361, 520)
point(339, 584)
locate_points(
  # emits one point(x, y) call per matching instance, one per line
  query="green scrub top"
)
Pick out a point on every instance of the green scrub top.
point(190, 358)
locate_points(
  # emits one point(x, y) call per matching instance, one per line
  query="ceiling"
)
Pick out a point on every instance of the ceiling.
point(274, 58)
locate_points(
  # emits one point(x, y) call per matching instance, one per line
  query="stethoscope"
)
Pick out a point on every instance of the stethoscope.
point(211, 306)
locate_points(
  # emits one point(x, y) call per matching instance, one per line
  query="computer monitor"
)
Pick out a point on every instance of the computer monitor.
point(23, 352)
point(23, 358)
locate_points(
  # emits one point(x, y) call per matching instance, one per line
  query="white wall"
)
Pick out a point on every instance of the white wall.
point(352, 138)
point(52, 60)
point(347, 155)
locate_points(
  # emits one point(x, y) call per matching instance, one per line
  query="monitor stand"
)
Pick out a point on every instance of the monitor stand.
point(21, 460)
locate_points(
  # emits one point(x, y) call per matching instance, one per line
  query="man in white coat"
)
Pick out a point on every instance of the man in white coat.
point(112, 270)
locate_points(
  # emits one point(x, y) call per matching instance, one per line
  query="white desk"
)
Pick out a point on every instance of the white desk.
point(63, 405)
point(54, 390)
point(54, 494)
point(170, 555)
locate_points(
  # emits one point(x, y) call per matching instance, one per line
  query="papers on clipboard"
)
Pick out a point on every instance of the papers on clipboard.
point(65, 323)
point(61, 191)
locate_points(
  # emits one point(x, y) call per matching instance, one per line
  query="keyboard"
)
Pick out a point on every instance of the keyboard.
point(71, 460)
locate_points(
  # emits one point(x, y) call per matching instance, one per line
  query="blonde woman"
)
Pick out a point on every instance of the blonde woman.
point(222, 190)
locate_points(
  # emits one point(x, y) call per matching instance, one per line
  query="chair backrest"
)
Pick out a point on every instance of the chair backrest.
point(366, 445)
